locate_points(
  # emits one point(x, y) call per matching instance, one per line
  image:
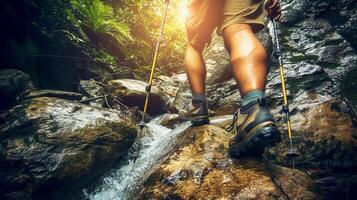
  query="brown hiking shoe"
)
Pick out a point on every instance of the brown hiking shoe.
point(197, 113)
point(255, 130)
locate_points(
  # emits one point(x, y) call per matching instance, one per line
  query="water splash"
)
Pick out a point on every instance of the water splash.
point(124, 182)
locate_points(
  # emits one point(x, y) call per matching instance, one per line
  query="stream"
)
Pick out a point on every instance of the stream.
point(123, 182)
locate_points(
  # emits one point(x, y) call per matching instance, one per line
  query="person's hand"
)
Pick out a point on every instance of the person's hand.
point(273, 9)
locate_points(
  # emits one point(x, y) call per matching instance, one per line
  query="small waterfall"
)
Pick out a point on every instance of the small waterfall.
point(125, 181)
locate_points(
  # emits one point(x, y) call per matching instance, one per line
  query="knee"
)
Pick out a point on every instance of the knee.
point(193, 52)
point(194, 49)
point(241, 42)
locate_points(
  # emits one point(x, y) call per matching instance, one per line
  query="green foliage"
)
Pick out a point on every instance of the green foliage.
point(144, 18)
point(100, 17)
point(113, 31)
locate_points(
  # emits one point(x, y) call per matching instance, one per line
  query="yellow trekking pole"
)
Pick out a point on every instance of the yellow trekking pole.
point(292, 153)
point(136, 145)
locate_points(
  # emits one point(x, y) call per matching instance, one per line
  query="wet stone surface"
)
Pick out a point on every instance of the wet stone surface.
point(51, 145)
point(201, 169)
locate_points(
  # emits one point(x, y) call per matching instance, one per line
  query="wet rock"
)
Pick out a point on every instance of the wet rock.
point(224, 98)
point(340, 13)
point(92, 90)
point(325, 136)
point(132, 93)
point(322, 35)
point(200, 168)
point(14, 84)
point(170, 86)
point(170, 120)
point(183, 95)
point(295, 184)
point(51, 145)
point(217, 62)
point(222, 121)
point(54, 93)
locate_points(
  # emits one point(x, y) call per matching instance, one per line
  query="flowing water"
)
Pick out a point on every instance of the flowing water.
point(126, 180)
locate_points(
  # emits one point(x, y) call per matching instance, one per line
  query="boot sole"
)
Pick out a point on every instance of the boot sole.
point(265, 137)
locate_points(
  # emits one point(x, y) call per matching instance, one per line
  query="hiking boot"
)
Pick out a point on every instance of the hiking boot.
point(195, 112)
point(255, 130)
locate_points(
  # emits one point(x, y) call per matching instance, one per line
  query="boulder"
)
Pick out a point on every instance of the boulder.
point(217, 61)
point(93, 92)
point(132, 93)
point(170, 87)
point(48, 144)
point(324, 135)
point(224, 98)
point(170, 120)
point(14, 84)
point(294, 183)
point(183, 95)
point(54, 93)
point(200, 168)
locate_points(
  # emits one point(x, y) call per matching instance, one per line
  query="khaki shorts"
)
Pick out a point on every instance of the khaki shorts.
point(205, 15)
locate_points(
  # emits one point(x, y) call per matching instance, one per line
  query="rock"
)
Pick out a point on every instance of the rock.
point(132, 93)
point(224, 98)
point(321, 34)
point(170, 120)
point(54, 93)
point(223, 121)
point(183, 95)
point(91, 89)
point(14, 84)
point(170, 86)
point(325, 136)
point(217, 62)
point(199, 168)
point(295, 184)
point(50, 144)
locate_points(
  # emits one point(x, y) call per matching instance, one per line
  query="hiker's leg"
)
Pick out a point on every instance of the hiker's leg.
point(202, 19)
point(195, 69)
point(256, 128)
point(248, 57)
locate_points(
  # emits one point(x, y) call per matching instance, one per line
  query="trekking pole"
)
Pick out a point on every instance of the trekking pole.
point(292, 153)
point(148, 87)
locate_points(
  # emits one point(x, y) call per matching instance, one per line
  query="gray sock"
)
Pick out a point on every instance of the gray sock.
point(198, 98)
point(251, 96)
